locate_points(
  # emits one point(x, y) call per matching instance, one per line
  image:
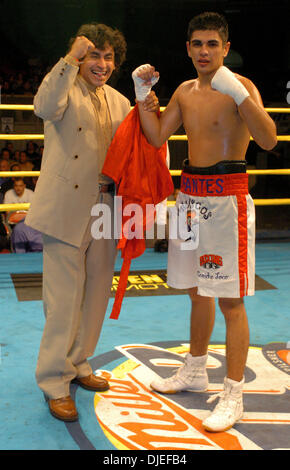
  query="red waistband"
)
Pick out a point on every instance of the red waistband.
point(233, 184)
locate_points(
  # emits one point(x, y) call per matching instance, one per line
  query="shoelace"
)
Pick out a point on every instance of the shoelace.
point(215, 396)
point(181, 374)
point(176, 375)
point(227, 403)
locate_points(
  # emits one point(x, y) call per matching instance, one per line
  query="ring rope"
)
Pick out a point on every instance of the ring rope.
point(280, 138)
point(30, 107)
point(282, 171)
point(257, 202)
point(24, 206)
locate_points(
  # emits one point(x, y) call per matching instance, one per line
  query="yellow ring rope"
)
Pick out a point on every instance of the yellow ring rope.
point(281, 138)
point(257, 202)
point(30, 107)
point(282, 171)
point(23, 174)
point(14, 207)
point(21, 137)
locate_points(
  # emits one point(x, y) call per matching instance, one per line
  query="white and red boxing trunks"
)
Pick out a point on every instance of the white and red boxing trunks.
point(218, 256)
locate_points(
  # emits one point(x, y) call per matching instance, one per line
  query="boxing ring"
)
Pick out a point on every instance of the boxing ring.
point(151, 333)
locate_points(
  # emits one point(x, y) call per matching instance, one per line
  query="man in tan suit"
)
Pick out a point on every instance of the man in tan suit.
point(81, 114)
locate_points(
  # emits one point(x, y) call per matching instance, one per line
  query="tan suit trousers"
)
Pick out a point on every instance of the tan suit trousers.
point(76, 290)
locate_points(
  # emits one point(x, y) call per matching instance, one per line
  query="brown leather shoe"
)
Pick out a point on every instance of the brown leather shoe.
point(93, 383)
point(63, 408)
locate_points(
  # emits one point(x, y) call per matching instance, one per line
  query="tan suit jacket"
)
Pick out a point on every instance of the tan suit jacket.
point(68, 184)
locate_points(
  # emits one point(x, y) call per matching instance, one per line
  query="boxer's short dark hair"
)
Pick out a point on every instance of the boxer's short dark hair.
point(100, 35)
point(209, 21)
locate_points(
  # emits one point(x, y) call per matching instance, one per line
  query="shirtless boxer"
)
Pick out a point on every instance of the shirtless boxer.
point(219, 110)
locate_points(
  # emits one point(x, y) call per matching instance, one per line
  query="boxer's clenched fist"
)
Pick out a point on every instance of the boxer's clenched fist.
point(80, 47)
point(225, 81)
point(144, 77)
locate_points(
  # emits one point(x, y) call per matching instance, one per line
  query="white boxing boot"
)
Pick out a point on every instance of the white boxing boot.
point(191, 376)
point(229, 408)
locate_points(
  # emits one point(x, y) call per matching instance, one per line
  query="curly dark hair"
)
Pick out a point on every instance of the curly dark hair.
point(209, 20)
point(100, 34)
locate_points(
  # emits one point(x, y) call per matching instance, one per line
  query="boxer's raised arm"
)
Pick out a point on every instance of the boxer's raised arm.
point(157, 130)
point(261, 126)
point(251, 109)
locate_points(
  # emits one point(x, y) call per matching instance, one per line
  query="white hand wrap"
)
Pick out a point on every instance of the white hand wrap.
point(225, 81)
point(141, 90)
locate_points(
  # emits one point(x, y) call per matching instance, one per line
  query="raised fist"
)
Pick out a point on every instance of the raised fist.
point(144, 78)
point(80, 47)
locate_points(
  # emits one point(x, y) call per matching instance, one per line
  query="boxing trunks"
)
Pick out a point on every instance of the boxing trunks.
point(214, 246)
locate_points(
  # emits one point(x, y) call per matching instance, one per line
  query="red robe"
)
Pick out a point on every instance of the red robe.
point(140, 173)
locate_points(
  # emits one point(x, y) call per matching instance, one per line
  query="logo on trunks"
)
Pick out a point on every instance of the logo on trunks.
point(192, 204)
point(211, 261)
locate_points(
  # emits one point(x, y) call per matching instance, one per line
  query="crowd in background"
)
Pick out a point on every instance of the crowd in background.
point(28, 158)
point(15, 236)
point(25, 82)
